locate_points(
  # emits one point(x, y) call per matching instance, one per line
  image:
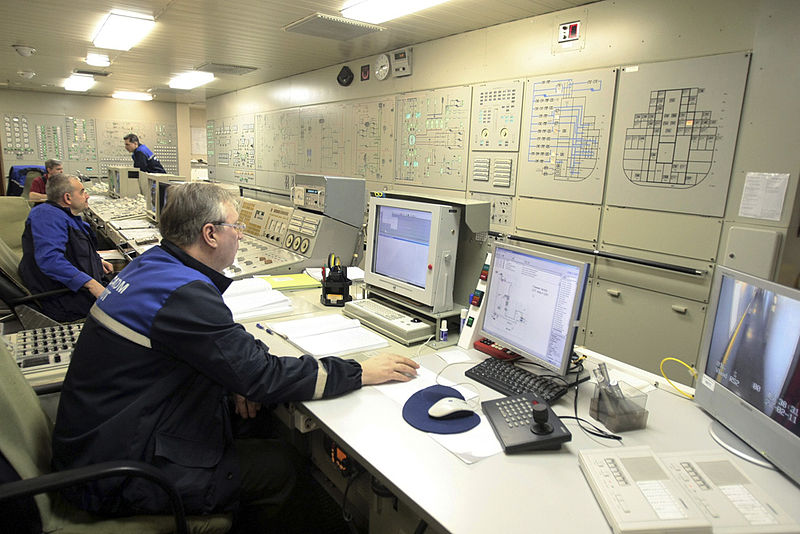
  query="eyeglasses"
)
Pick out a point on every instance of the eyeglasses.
point(236, 226)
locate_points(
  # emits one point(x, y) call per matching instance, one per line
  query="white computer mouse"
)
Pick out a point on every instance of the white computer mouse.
point(450, 408)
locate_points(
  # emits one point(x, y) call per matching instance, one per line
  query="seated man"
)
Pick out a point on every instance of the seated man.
point(59, 250)
point(143, 157)
point(38, 192)
point(158, 361)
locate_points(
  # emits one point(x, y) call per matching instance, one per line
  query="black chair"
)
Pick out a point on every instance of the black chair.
point(25, 449)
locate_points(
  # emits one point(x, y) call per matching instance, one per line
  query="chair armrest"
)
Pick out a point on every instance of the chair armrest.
point(30, 298)
point(80, 475)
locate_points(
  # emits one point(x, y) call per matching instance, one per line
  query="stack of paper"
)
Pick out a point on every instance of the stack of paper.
point(329, 335)
point(254, 297)
point(290, 281)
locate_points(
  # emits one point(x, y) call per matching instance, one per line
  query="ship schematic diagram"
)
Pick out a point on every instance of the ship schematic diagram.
point(564, 141)
point(505, 307)
point(672, 145)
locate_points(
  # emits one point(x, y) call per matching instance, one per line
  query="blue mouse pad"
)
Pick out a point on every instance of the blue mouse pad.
point(415, 412)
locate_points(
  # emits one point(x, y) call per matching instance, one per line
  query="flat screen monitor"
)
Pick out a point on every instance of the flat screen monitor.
point(411, 250)
point(162, 192)
point(532, 304)
point(750, 363)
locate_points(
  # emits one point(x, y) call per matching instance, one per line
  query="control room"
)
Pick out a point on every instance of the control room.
point(357, 266)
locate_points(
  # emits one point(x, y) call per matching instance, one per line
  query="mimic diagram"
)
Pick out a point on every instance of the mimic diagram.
point(565, 142)
point(277, 136)
point(322, 139)
point(373, 153)
point(431, 137)
point(672, 145)
point(496, 110)
point(564, 138)
point(675, 127)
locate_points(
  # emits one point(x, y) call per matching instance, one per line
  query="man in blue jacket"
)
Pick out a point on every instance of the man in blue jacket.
point(59, 250)
point(143, 157)
point(160, 359)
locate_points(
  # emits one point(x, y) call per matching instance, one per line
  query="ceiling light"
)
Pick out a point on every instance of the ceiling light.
point(190, 80)
point(27, 74)
point(97, 60)
point(132, 95)
point(79, 82)
point(121, 30)
point(24, 51)
point(377, 11)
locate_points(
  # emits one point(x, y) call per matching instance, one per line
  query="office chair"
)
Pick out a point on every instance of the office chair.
point(29, 178)
point(15, 297)
point(25, 445)
point(13, 214)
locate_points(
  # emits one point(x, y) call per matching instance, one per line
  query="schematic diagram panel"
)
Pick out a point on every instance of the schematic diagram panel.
point(211, 149)
point(161, 138)
point(322, 139)
point(277, 140)
point(373, 124)
point(19, 137)
point(674, 136)
point(80, 136)
point(566, 125)
point(432, 145)
point(496, 113)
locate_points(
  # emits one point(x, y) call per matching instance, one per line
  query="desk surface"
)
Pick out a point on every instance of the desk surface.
point(536, 491)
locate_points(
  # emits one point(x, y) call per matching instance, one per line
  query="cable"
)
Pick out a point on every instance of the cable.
point(421, 527)
point(347, 516)
point(691, 370)
point(595, 430)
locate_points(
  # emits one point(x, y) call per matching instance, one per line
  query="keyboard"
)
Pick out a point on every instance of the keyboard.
point(393, 322)
point(510, 379)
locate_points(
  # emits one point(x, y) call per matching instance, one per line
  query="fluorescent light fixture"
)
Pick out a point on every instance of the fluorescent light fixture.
point(97, 60)
point(377, 11)
point(190, 80)
point(79, 82)
point(121, 30)
point(132, 95)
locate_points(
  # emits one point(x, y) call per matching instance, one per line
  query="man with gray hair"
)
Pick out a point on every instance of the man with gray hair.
point(174, 363)
point(38, 191)
point(59, 250)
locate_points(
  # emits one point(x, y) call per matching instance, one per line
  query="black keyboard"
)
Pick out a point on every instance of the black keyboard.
point(509, 379)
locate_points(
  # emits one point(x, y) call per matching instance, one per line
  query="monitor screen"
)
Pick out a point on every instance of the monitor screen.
point(750, 357)
point(163, 191)
point(402, 242)
point(532, 304)
point(411, 250)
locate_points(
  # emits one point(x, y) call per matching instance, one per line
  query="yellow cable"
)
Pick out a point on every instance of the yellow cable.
point(691, 370)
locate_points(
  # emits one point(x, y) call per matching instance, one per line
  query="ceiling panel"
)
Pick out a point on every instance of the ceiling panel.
point(190, 33)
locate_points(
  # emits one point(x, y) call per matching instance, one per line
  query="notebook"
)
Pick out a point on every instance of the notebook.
point(328, 335)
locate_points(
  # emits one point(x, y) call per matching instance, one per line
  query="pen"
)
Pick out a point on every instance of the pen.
point(271, 331)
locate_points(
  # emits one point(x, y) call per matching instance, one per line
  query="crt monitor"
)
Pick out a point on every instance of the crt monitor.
point(411, 250)
point(750, 363)
point(162, 191)
point(532, 304)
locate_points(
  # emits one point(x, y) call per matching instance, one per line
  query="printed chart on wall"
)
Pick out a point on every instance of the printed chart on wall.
point(675, 128)
point(432, 144)
point(566, 124)
point(234, 148)
point(322, 139)
point(278, 140)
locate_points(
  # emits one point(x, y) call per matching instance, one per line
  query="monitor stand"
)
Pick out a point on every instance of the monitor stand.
point(731, 442)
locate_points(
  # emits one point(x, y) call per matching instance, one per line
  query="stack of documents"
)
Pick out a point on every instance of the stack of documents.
point(329, 335)
point(291, 281)
point(254, 297)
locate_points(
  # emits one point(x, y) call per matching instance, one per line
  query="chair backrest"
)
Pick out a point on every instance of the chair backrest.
point(26, 437)
point(12, 288)
point(13, 213)
point(29, 178)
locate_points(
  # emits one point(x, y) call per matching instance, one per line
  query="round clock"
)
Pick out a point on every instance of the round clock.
point(382, 67)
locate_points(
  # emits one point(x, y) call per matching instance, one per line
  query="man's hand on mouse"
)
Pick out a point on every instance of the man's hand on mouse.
point(385, 367)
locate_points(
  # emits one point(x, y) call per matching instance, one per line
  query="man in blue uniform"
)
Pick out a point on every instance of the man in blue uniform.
point(59, 249)
point(143, 157)
point(160, 358)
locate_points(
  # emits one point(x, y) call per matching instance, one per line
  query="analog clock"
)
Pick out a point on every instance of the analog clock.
point(382, 67)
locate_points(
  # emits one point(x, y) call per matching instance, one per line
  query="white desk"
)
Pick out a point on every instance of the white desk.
point(542, 491)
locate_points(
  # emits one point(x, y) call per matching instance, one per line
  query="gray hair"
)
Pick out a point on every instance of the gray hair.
point(52, 164)
point(58, 185)
point(189, 207)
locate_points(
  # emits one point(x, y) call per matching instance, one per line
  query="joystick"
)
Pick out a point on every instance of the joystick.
point(540, 426)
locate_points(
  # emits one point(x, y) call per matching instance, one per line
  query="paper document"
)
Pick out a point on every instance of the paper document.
point(290, 281)
point(329, 335)
point(353, 273)
point(253, 297)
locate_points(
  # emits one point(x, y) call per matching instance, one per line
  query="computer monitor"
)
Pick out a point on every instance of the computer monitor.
point(411, 250)
point(532, 304)
point(150, 195)
point(123, 181)
point(162, 191)
point(113, 181)
point(750, 363)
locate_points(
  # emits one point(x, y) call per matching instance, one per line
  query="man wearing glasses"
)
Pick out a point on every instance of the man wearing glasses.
point(59, 250)
point(160, 358)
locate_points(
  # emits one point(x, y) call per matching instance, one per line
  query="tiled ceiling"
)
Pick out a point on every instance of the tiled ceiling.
point(191, 33)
